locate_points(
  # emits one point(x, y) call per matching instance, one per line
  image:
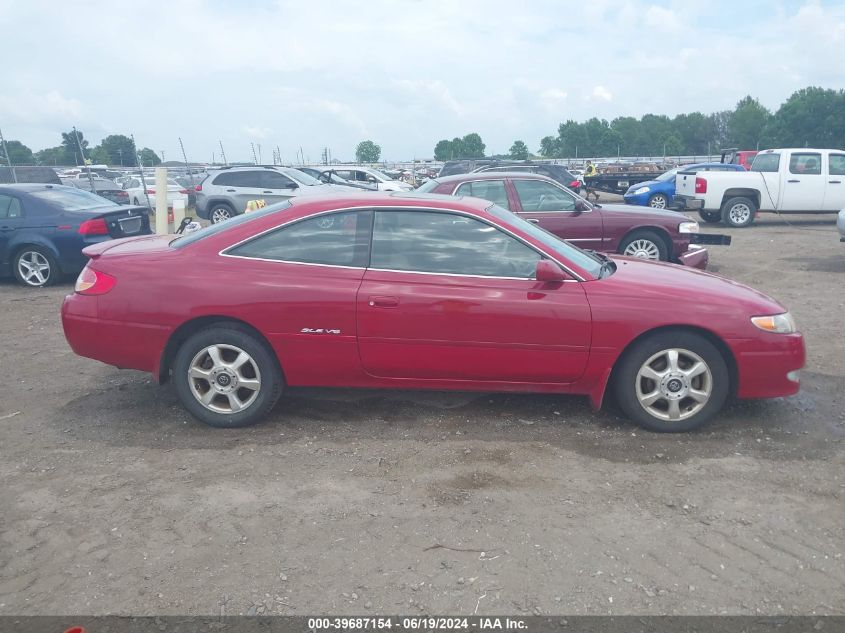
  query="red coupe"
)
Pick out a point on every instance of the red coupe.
point(416, 291)
point(621, 228)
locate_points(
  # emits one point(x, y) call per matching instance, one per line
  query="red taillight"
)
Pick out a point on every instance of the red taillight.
point(151, 191)
point(700, 185)
point(198, 187)
point(574, 184)
point(93, 282)
point(97, 226)
point(122, 194)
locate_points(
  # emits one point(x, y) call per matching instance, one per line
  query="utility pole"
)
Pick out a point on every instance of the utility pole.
point(82, 154)
point(223, 153)
point(140, 170)
point(279, 153)
point(254, 158)
point(120, 152)
point(185, 158)
point(162, 155)
point(8, 159)
point(259, 154)
point(301, 155)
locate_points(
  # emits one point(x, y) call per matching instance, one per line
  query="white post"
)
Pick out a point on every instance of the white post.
point(161, 201)
point(178, 213)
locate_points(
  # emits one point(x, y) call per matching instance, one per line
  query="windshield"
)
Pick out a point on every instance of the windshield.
point(567, 251)
point(669, 175)
point(214, 229)
point(379, 175)
point(72, 199)
point(428, 186)
point(300, 176)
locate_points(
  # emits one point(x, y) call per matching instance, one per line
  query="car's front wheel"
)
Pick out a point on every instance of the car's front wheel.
point(658, 201)
point(711, 217)
point(35, 267)
point(672, 381)
point(645, 245)
point(226, 376)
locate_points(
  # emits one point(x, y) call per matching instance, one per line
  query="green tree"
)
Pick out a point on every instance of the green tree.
point(367, 152)
point(442, 151)
point(673, 145)
point(54, 156)
point(747, 124)
point(115, 149)
point(811, 117)
point(19, 154)
point(549, 147)
point(473, 146)
point(148, 157)
point(73, 155)
point(519, 151)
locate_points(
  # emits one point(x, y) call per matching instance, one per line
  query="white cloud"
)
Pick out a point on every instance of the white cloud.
point(257, 132)
point(600, 93)
point(662, 19)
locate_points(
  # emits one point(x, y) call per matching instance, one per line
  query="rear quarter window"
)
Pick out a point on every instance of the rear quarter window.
point(766, 163)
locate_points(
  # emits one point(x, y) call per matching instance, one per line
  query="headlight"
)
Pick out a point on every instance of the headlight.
point(641, 190)
point(779, 323)
point(688, 227)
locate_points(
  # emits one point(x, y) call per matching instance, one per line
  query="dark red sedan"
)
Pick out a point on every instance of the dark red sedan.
point(430, 292)
point(637, 231)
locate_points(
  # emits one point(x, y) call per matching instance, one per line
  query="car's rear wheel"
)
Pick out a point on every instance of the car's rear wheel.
point(739, 212)
point(658, 201)
point(672, 382)
point(35, 267)
point(711, 217)
point(226, 377)
point(220, 212)
point(645, 245)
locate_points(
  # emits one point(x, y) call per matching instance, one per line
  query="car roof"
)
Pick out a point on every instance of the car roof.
point(494, 175)
point(30, 187)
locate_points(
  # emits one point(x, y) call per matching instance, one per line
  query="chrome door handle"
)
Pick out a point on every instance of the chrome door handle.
point(230, 191)
point(793, 181)
point(835, 182)
point(266, 191)
point(534, 220)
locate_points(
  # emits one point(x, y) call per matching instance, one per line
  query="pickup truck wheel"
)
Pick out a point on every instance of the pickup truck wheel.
point(645, 245)
point(711, 217)
point(739, 212)
point(671, 382)
point(658, 201)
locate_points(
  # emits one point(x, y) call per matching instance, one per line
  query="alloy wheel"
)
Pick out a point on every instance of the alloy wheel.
point(657, 202)
point(739, 213)
point(224, 378)
point(674, 384)
point(642, 248)
point(34, 268)
point(220, 214)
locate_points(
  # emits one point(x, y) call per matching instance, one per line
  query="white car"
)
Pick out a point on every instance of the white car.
point(367, 175)
point(139, 192)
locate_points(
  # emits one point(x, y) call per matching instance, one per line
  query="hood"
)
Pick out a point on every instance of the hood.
point(664, 215)
point(703, 292)
point(647, 183)
point(320, 190)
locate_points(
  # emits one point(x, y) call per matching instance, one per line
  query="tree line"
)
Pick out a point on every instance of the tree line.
point(115, 149)
point(811, 117)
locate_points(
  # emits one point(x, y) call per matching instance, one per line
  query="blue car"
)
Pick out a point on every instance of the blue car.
point(43, 229)
point(660, 193)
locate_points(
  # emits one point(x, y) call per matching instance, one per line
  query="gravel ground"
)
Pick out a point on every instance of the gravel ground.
point(114, 501)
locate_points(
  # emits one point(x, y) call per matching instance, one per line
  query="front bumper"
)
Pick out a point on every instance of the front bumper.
point(695, 257)
point(767, 366)
point(687, 203)
point(640, 200)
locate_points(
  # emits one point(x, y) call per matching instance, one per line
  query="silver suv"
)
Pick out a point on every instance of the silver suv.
point(226, 191)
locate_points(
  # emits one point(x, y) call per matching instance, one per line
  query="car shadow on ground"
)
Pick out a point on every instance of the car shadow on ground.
point(821, 264)
point(133, 411)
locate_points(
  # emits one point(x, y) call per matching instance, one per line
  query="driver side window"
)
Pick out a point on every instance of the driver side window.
point(447, 243)
point(538, 195)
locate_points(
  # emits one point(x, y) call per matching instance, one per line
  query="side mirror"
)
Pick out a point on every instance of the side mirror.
point(581, 206)
point(549, 272)
point(291, 185)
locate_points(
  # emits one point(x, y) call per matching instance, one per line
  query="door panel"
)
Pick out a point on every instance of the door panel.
point(472, 328)
point(804, 184)
point(834, 195)
point(554, 210)
point(11, 221)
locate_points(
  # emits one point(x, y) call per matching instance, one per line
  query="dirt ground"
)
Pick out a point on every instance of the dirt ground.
point(115, 501)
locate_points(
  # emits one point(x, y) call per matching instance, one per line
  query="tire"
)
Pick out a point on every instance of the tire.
point(645, 245)
point(658, 201)
point(35, 267)
point(739, 212)
point(711, 217)
point(221, 379)
point(652, 355)
point(219, 212)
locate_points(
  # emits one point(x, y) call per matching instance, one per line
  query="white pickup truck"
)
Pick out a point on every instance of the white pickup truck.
point(780, 181)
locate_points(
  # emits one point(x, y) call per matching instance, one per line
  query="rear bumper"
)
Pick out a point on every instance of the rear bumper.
point(124, 345)
point(687, 203)
point(840, 224)
point(695, 257)
point(768, 366)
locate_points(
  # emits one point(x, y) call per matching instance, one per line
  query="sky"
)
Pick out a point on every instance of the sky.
point(405, 74)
